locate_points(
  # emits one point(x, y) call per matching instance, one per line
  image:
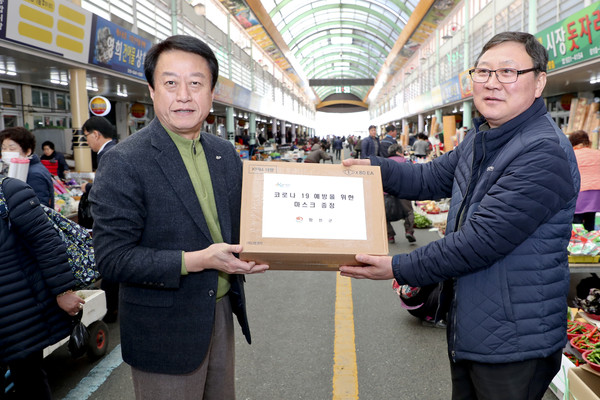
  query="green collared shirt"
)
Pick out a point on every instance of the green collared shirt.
point(194, 159)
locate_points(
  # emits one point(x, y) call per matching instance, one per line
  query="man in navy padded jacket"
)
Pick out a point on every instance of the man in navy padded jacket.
point(513, 184)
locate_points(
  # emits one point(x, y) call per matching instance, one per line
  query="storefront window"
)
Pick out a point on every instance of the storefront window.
point(9, 97)
point(40, 98)
point(9, 121)
point(62, 101)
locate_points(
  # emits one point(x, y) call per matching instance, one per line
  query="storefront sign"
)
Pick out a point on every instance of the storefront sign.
point(118, 49)
point(138, 110)
point(58, 27)
point(574, 39)
point(451, 90)
point(99, 106)
point(466, 84)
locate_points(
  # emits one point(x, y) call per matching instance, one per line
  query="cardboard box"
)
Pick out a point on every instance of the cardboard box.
point(559, 382)
point(584, 384)
point(298, 216)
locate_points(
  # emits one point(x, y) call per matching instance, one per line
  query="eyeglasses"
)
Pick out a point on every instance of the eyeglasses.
point(504, 75)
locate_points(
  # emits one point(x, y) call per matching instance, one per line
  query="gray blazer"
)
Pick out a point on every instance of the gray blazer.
point(145, 213)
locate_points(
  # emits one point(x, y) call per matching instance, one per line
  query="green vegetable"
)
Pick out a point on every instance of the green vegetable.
point(422, 221)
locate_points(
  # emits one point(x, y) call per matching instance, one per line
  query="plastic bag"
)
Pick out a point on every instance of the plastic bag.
point(79, 337)
point(393, 208)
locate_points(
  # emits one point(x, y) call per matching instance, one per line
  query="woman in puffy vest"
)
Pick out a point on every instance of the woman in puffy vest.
point(35, 288)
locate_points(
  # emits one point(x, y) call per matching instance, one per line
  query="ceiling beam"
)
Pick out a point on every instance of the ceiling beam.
point(341, 82)
point(329, 103)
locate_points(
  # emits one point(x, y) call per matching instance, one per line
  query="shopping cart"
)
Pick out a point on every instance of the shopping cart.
point(94, 310)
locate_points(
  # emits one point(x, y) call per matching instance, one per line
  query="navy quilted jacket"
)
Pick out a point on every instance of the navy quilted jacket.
point(33, 270)
point(513, 191)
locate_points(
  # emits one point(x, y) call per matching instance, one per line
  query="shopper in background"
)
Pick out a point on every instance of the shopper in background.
point(513, 184)
point(351, 140)
point(396, 153)
point(316, 155)
point(166, 204)
point(421, 147)
point(20, 140)
point(370, 145)
point(100, 135)
point(53, 160)
point(337, 146)
point(35, 283)
point(388, 140)
point(588, 161)
point(357, 147)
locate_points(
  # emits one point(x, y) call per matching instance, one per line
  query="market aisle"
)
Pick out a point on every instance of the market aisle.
point(292, 315)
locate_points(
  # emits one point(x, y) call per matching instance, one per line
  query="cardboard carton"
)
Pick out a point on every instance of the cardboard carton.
point(584, 384)
point(298, 216)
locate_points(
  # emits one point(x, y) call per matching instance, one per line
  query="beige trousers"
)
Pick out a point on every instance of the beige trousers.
point(213, 380)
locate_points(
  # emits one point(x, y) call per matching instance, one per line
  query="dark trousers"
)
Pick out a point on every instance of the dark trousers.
point(29, 377)
point(524, 380)
point(587, 219)
point(111, 290)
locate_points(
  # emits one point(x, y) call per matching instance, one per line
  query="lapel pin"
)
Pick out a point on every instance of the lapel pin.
point(218, 157)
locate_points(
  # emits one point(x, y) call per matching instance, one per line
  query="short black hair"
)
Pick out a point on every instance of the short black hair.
point(21, 136)
point(371, 127)
point(390, 128)
point(185, 43)
point(49, 144)
point(101, 125)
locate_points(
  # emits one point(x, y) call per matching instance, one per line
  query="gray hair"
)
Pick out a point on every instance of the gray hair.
point(534, 48)
point(393, 149)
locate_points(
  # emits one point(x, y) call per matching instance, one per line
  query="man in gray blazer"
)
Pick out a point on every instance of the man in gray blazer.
point(166, 203)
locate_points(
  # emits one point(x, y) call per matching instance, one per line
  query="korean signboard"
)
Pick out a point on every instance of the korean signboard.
point(118, 49)
point(574, 39)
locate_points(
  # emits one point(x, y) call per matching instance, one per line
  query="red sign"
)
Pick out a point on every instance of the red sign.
point(138, 110)
point(99, 106)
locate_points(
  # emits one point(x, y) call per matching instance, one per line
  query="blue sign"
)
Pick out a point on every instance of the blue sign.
point(117, 48)
point(451, 90)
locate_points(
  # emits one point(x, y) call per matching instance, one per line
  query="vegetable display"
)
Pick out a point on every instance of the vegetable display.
point(422, 221)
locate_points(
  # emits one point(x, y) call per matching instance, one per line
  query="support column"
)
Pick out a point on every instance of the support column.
point(421, 123)
point(405, 132)
point(79, 114)
point(293, 133)
point(467, 114)
point(27, 111)
point(173, 16)
point(532, 22)
point(230, 125)
point(283, 132)
point(252, 127)
point(274, 129)
point(252, 133)
point(438, 115)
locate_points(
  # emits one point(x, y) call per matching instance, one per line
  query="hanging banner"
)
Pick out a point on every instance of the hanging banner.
point(573, 40)
point(118, 49)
